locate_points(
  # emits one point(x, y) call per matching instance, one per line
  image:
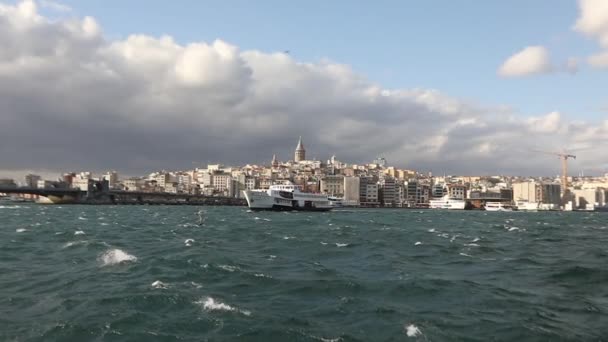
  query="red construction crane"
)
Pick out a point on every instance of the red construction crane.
point(564, 158)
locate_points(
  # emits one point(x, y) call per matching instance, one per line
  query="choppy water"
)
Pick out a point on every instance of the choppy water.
point(82, 273)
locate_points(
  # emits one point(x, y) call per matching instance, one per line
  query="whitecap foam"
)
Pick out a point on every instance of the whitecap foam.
point(471, 244)
point(418, 243)
point(513, 228)
point(82, 218)
point(341, 244)
point(197, 285)
point(74, 243)
point(476, 239)
point(159, 285)
point(229, 268)
point(412, 331)
point(104, 224)
point(20, 230)
point(267, 220)
point(466, 255)
point(189, 242)
point(323, 243)
point(432, 230)
point(288, 237)
point(337, 339)
point(262, 275)
point(115, 256)
point(210, 304)
point(79, 232)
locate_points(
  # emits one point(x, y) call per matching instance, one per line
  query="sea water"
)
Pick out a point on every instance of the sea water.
point(161, 273)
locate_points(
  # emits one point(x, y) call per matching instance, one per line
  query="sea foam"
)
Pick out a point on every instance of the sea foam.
point(20, 230)
point(79, 232)
point(189, 242)
point(115, 256)
point(159, 285)
point(210, 304)
point(412, 330)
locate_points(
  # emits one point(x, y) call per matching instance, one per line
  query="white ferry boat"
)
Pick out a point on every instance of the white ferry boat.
point(447, 203)
point(498, 206)
point(286, 197)
point(527, 206)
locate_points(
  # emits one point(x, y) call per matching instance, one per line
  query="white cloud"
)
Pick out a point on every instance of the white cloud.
point(55, 6)
point(529, 61)
point(549, 123)
point(593, 22)
point(599, 60)
point(73, 99)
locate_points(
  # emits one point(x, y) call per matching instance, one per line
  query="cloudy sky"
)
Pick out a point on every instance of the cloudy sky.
point(449, 87)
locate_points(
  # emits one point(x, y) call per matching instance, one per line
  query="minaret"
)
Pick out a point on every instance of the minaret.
point(275, 162)
point(300, 152)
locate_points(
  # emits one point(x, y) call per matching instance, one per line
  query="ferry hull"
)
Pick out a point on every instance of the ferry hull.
point(257, 200)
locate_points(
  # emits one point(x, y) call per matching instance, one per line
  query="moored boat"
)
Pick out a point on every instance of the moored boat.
point(498, 206)
point(447, 203)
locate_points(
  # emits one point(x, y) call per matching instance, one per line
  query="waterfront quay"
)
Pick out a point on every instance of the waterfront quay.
point(119, 197)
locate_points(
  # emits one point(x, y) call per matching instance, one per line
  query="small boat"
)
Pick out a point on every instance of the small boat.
point(286, 197)
point(498, 206)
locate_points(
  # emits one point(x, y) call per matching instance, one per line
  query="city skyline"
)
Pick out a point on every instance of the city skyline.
point(83, 91)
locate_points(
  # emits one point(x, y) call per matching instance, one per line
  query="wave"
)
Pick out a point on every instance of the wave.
point(115, 256)
point(229, 268)
point(583, 273)
point(262, 275)
point(159, 285)
point(412, 331)
point(74, 243)
point(10, 206)
point(20, 230)
point(210, 304)
point(341, 244)
point(79, 232)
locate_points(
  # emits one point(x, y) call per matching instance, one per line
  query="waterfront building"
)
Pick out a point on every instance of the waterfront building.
point(333, 185)
point(457, 191)
point(43, 184)
point(133, 184)
point(535, 192)
point(390, 192)
point(352, 187)
point(31, 180)
point(588, 198)
point(112, 178)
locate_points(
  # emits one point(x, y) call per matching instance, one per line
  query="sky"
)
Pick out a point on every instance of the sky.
point(465, 87)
